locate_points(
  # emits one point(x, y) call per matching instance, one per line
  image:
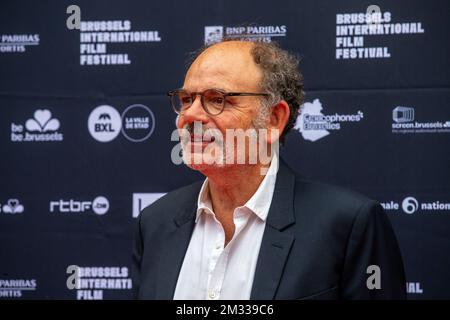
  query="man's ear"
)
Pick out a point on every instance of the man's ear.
point(278, 120)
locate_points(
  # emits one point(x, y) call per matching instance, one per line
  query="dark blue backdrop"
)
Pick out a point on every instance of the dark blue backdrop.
point(69, 194)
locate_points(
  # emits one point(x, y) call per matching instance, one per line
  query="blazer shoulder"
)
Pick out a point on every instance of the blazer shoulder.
point(336, 200)
point(169, 205)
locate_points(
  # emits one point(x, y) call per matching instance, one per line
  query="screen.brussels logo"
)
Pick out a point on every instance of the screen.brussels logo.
point(12, 206)
point(313, 124)
point(42, 127)
point(216, 33)
point(136, 123)
point(404, 120)
point(403, 114)
point(143, 200)
point(99, 206)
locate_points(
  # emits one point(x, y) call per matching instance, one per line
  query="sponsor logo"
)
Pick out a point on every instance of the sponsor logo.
point(403, 114)
point(12, 206)
point(14, 288)
point(17, 43)
point(99, 206)
point(314, 125)
point(352, 30)
point(411, 205)
point(136, 123)
point(41, 128)
point(91, 282)
point(96, 37)
point(104, 123)
point(414, 287)
point(215, 34)
point(404, 122)
point(143, 200)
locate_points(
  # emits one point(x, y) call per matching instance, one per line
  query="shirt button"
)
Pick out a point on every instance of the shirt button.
point(218, 246)
point(212, 294)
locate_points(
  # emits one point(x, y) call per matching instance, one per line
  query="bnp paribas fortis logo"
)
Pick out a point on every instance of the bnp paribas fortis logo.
point(265, 33)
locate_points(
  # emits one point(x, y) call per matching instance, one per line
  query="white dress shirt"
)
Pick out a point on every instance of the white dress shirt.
point(209, 270)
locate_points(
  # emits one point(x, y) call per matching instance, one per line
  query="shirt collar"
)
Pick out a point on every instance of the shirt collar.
point(259, 203)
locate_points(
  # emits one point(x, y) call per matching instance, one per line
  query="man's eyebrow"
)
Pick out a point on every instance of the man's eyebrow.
point(209, 88)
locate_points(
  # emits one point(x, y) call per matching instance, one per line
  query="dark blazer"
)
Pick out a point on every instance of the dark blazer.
point(317, 244)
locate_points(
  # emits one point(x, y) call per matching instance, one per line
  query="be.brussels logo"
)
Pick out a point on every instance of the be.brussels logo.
point(42, 127)
point(99, 206)
point(136, 123)
point(215, 34)
point(12, 206)
point(143, 200)
point(412, 205)
point(313, 124)
point(405, 120)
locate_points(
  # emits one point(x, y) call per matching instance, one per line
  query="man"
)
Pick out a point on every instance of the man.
point(257, 230)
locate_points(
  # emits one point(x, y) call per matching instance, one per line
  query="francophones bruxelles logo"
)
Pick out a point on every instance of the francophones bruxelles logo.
point(265, 33)
point(99, 206)
point(313, 124)
point(12, 206)
point(42, 127)
point(137, 123)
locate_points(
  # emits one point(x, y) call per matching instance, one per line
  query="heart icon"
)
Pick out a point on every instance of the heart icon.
point(13, 203)
point(42, 117)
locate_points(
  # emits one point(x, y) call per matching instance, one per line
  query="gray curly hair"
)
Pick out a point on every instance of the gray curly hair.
point(281, 78)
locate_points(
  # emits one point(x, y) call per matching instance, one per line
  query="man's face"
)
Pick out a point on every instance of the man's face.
point(229, 67)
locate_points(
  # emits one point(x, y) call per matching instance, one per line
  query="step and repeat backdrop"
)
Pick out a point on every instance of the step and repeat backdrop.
point(85, 125)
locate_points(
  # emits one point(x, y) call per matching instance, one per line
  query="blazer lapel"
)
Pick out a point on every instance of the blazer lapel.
point(275, 245)
point(174, 251)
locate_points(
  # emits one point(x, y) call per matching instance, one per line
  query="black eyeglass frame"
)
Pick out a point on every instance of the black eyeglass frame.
point(174, 93)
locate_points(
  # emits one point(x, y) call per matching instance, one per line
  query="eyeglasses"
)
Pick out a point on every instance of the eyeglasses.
point(212, 100)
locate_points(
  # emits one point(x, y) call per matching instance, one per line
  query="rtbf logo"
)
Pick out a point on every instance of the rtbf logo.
point(99, 205)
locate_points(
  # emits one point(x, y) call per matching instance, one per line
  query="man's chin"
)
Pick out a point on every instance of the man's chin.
point(202, 162)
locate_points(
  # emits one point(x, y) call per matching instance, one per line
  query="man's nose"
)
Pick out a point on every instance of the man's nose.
point(194, 113)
